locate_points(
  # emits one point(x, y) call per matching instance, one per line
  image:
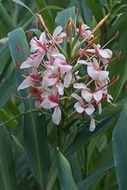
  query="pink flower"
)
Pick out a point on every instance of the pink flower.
point(58, 35)
point(85, 32)
point(51, 100)
point(94, 72)
point(80, 107)
point(38, 45)
point(61, 65)
point(30, 80)
point(87, 94)
point(33, 60)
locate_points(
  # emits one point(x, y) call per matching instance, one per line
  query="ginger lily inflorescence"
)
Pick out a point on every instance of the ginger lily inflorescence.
point(75, 78)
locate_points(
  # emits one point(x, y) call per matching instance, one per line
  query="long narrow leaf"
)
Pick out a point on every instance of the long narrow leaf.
point(65, 174)
point(36, 146)
point(120, 149)
point(7, 176)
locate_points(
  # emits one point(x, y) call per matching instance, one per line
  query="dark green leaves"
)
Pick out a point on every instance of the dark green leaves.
point(36, 146)
point(7, 176)
point(65, 174)
point(120, 149)
point(6, 88)
point(90, 181)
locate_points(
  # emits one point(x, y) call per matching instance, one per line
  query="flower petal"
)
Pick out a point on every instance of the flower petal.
point(26, 83)
point(86, 94)
point(60, 87)
point(79, 108)
point(57, 31)
point(77, 97)
point(92, 125)
point(99, 108)
point(105, 53)
point(92, 72)
point(103, 75)
point(90, 109)
point(48, 104)
point(79, 86)
point(67, 79)
point(97, 95)
point(56, 116)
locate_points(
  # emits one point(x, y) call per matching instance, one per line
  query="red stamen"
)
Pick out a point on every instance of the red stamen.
point(113, 81)
point(40, 45)
point(23, 51)
point(38, 11)
point(51, 43)
point(31, 78)
point(37, 27)
point(110, 40)
point(73, 61)
point(21, 69)
point(24, 98)
point(104, 85)
point(101, 100)
point(76, 16)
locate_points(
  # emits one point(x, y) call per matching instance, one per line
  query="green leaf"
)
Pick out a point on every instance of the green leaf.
point(63, 17)
point(90, 181)
point(120, 149)
point(46, 15)
point(4, 116)
point(97, 12)
point(84, 135)
point(18, 37)
point(6, 88)
point(75, 167)
point(7, 176)
point(36, 146)
point(4, 56)
point(65, 174)
point(6, 19)
point(22, 4)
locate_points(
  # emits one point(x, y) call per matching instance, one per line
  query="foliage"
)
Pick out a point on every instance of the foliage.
point(29, 157)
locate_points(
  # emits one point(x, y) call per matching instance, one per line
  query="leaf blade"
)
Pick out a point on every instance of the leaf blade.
point(119, 148)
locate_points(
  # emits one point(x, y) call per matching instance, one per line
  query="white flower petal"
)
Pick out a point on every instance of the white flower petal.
point(67, 79)
point(109, 97)
point(103, 75)
point(97, 95)
point(92, 72)
point(60, 87)
point(77, 97)
point(79, 108)
point(90, 109)
point(95, 63)
point(26, 83)
point(84, 62)
point(42, 39)
point(105, 53)
point(79, 86)
point(57, 31)
point(92, 125)
point(48, 104)
point(99, 108)
point(49, 81)
point(56, 116)
point(86, 94)
point(26, 64)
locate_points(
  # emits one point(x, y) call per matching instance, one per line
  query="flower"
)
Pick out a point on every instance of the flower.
point(56, 74)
